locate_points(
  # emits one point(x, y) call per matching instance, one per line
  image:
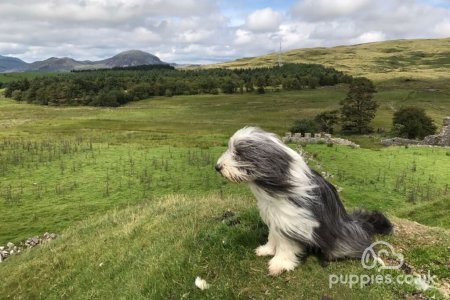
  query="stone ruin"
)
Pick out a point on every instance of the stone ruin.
point(442, 139)
point(317, 138)
point(12, 249)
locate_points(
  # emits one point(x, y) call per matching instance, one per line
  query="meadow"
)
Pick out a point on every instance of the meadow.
point(141, 212)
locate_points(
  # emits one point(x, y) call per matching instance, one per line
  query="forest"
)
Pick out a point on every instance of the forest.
point(115, 87)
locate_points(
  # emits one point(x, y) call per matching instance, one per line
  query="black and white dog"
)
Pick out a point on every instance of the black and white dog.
point(302, 209)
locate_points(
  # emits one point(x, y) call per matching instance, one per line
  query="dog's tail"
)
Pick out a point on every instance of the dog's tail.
point(373, 222)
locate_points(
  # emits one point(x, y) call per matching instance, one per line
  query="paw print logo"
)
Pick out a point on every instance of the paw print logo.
point(370, 257)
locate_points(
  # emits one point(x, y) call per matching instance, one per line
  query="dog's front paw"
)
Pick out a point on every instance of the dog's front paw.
point(265, 250)
point(278, 265)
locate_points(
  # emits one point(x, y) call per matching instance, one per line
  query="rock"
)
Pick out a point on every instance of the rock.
point(12, 249)
point(201, 283)
point(318, 139)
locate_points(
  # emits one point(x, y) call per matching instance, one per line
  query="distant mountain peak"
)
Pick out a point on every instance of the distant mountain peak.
point(132, 58)
point(133, 52)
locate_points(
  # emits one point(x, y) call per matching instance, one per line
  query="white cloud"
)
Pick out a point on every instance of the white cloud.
point(263, 20)
point(369, 37)
point(204, 30)
point(243, 37)
point(328, 9)
point(442, 29)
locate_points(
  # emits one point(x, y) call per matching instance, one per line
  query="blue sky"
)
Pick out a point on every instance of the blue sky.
point(205, 31)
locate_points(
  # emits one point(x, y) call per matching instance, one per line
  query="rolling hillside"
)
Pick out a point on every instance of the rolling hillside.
point(409, 59)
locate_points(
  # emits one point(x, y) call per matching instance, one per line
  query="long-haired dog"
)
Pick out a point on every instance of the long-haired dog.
point(301, 209)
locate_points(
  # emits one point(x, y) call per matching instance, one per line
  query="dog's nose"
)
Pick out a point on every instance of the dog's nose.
point(218, 167)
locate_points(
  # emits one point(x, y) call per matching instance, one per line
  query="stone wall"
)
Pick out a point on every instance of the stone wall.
point(317, 138)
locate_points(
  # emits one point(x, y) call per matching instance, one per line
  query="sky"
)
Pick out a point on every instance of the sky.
point(208, 31)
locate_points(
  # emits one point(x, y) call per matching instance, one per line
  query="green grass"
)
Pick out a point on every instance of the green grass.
point(156, 249)
point(134, 189)
point(409, 182)
point(61, 164)
point(196, 117)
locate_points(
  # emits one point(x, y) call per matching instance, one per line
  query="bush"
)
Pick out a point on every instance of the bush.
point(412, 122)
point(303, 126)
point(327, 120)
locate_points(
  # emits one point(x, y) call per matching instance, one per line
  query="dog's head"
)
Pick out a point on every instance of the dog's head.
point(254, 155)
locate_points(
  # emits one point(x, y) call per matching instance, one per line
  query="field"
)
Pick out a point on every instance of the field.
point(141, 211)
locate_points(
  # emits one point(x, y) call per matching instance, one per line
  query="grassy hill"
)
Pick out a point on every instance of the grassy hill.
point(141, 211)
point(425, 59)
point(156, 249)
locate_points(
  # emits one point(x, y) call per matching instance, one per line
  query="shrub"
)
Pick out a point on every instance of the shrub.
point(412, 122)
point(327, 120)
point(304, 125)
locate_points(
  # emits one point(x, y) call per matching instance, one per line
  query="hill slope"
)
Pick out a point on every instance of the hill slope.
point(11, 64)
point(156, 250)
point(424, 58)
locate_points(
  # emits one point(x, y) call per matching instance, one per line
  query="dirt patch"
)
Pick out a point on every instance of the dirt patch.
point(230, 218)
point(413, 232)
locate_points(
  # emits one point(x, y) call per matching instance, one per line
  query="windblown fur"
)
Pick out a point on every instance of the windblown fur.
point(300, 207)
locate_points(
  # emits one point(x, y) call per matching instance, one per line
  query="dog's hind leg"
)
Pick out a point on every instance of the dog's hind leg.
point(269, 248)
point(286, 252)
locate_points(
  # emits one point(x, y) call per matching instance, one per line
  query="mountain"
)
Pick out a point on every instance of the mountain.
point(10, 64)
point(132, 58)
point(66, 64)
point(407, 59)
point(54, 64)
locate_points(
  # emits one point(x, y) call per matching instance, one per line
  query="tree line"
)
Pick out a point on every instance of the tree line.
point(116, 87)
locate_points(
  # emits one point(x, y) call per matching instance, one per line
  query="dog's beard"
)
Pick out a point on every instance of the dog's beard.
point(234, 174)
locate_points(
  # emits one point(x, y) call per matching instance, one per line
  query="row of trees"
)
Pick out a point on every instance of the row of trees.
point(358, 110)
point(119, 86)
